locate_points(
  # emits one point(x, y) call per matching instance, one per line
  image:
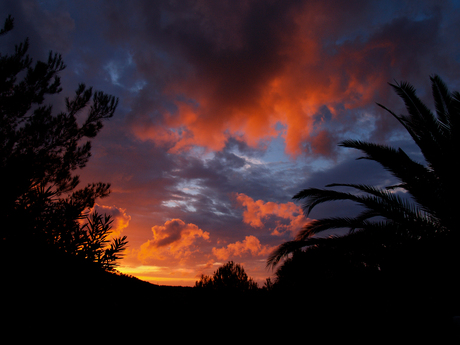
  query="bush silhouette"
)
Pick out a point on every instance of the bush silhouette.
point(39, 154)
point(229, 277)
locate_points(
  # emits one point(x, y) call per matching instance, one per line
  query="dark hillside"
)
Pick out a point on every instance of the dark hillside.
point(50, 290)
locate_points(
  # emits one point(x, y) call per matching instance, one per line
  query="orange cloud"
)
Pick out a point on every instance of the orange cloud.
point(119, 216)
point(231, 93)
point(225, 69)
point(173, 240)
point(258, 211)
point(250, 245)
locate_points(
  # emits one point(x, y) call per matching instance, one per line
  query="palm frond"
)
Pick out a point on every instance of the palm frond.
point(431, 187)
point(414, 177)
point(424, 127)
point(419, 113)
point(319, 225)
point(378, 233)
point(390, 205)
point(454, 111)
point(317, 196)
point(377, 202)
point(396, 161)
point(284, 250)
point(443, 100)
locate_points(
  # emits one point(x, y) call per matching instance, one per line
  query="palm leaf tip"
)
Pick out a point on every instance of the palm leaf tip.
point(282, 251)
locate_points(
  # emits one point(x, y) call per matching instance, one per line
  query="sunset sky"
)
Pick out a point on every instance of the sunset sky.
point(230, 107)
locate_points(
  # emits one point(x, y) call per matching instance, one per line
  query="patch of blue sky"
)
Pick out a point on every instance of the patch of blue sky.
point(201, 153)
point(275, 151)
point(387, 11)
point(184, 204)
point(190, 186)
point(364, 125)
point(114, 70)
point(120, 71)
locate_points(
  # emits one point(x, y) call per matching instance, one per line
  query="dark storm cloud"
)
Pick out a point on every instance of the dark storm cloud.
point(218, 69)
point(214, 60)
point(47, 30)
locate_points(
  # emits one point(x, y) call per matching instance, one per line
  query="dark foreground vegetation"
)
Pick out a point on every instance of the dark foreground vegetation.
point(394, 280)
point(66, 294)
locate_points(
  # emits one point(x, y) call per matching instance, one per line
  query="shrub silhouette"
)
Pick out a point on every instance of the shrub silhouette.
point(229, 277)
point(39, 153)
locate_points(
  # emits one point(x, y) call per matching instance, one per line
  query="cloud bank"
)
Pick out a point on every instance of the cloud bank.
point(257, 70)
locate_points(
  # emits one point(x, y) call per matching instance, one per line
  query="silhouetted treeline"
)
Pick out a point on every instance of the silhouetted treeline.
point(55, 257)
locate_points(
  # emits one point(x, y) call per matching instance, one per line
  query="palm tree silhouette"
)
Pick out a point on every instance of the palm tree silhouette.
point(433, 186)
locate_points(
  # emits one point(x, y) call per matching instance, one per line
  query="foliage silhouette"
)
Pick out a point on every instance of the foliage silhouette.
point(229, 277)
point(433, 187)
point(396, 269)
point(39, 153)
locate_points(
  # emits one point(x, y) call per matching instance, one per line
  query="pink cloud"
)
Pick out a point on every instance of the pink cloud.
point(257, 213)
point(175, 241)
point(250, 245)
point(119, 217)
